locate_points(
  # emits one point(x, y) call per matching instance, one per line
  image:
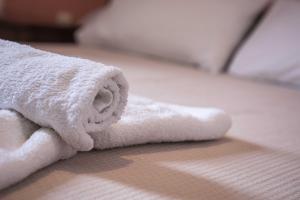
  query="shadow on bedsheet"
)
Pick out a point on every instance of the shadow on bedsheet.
point(142, 167)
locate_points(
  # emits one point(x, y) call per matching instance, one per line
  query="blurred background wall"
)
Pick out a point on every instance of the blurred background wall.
point(44, 20)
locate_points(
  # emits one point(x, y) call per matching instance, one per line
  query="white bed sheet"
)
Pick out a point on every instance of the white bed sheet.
point(259, 158)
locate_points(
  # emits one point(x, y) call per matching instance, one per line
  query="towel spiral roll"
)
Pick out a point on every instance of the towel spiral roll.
point(74, 96)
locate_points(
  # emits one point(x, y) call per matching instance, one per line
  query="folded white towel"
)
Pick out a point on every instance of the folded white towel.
point(144, 121)
point(73, 96)
point(148, 121)
point(74, 103)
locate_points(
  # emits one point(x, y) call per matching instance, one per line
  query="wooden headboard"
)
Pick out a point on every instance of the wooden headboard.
point(48, 12)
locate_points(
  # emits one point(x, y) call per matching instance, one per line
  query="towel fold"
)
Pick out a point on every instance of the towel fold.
point(144, 121)
point(73, 96)
point(26, 147)
point(149, 121)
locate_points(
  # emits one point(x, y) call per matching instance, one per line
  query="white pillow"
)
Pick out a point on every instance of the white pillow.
point(202, 32)
point(273, 51)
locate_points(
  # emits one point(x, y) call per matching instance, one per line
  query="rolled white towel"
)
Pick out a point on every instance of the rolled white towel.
point(80, 100)
point(73, 96)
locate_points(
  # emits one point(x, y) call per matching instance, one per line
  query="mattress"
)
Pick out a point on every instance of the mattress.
point(258, 159)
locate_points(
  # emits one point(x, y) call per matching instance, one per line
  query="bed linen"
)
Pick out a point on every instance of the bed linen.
point(259, 159)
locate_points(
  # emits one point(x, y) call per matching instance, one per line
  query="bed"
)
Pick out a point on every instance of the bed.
point(258, 159)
